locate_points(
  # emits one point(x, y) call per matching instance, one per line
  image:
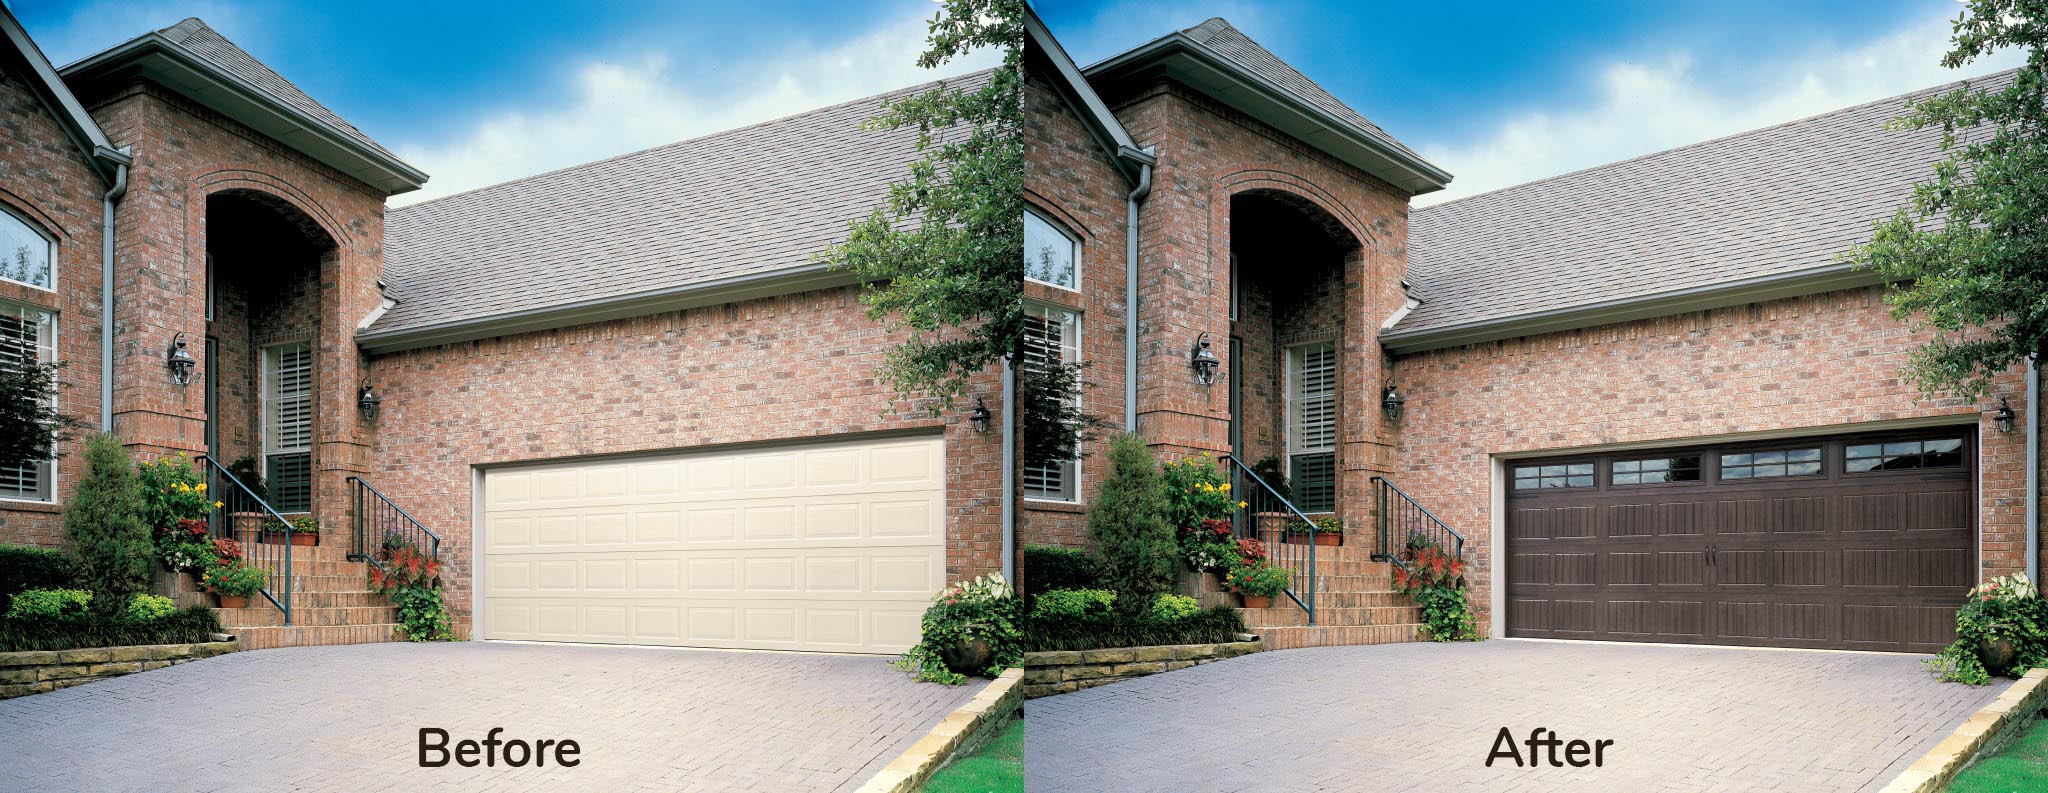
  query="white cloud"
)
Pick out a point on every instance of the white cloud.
point(624, 106)
point(1649, 107)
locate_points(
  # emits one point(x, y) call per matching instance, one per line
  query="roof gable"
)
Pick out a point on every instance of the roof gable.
point(78, 125)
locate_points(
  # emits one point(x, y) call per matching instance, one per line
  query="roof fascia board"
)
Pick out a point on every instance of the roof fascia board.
point(1181, 56)
point(1073, 87)
point(159, 58)
point(697, 295)
point(1721, 295)
point(79, 125)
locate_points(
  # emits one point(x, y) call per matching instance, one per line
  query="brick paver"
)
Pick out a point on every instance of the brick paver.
point(347, 718)
point(1424, 717)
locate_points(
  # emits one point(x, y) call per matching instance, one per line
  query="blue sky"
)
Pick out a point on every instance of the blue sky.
point(1499, 93)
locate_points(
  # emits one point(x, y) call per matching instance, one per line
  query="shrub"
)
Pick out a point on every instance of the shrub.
point(187, 547)
point(1138, 552)
point(1048, 567)
point(1274, 475)
point(984, 608)
point(49, 604)
point(1329, 524)
point(1196, 491)
point(412, 580)
point(305, 524)
point(149, 608)
point(1117, 629)
point(104, 520)
point(196, 624)
point(1435, 580)
point(1072, 603)
point(172, 492)
point(1210, 547)
point(251, 477)
point(2007, 607)
point(235, 579)
point(1259, 579)
point(1173, 608)
point(422, 615)
point(24, 568)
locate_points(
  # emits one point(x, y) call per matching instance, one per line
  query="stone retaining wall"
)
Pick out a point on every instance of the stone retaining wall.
point(37, 671)
point(1061, 671)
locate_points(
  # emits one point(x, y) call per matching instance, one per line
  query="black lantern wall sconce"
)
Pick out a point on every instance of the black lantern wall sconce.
point(2004, 416)
point(180, 360)
point(368, 403)
point(1392, 403)
point(1203, 360)
point(980, 416)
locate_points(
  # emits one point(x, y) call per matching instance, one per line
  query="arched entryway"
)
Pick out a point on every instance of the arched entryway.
point(264, 257)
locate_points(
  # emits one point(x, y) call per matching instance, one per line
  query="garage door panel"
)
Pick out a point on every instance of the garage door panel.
point(834, 546)
point(1861, 559)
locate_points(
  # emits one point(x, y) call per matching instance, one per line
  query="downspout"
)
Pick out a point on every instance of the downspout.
point(107, 202)
point(1009, 472)
point(2034, 467)
point(1131, 202)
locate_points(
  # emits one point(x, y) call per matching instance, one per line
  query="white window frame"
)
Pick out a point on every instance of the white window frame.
point(1292, 370)
point(1070, 352)
point(46, 345)
point(270, 424)
point(1073, 243)
point(49, 250)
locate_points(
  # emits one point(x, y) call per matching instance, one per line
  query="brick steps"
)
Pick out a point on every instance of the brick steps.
point(266, 616)
point(1289, 638)
point(1290, 615)
point(267, 637)
point(1356, 603)
point(331, 604)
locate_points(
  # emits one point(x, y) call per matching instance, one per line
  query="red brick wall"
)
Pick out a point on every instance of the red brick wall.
point(1071, 180)
point(798, 366)
point(46, 180)
point(1818, 362)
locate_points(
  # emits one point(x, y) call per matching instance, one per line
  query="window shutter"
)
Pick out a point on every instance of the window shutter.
point(1315, 398)
point(1050, 336)
point(26, 337)
point(290, 398)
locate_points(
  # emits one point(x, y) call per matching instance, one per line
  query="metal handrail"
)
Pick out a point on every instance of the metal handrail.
point(368, 499)
point(1246, 525)
point(1411, 509)
point(216, 474)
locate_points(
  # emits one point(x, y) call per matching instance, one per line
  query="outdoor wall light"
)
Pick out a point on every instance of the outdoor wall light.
point(179, 360)
point(1391, 403)
point(367, 402)
point(979, 416)
point(2003, 416)
point(1203, 360)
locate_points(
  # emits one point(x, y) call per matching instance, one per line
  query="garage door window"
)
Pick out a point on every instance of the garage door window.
point(1762, 465)
point(1657, 469)
point(1544, 477)
point(1933, 453)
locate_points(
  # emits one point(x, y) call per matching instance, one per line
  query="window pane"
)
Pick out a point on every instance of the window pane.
point(1945, 445)
point(1802, 455)
point(1526, 484)
point(290, 481)
point(27, 335)
point(1737, 472)
point(1314, 479)
point(1051, 335)
point(1627, 467)
point(1802, 469)
point(1312, 376)
point(1761, 458)
point(1580, 469)
point(24, 253)
point(1864, 450)
point(1048, 253)
point(1856, 466)
point(1580, 481)
point(1735, 459)
point(1553, 470)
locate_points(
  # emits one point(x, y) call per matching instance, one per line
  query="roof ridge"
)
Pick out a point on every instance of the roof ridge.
point(1944, 87)
point(692, 139)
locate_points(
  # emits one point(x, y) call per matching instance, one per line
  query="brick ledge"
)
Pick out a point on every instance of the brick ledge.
point(1983, 733)
point(962, 731)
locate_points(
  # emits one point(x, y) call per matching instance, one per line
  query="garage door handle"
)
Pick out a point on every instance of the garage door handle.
point(1712, 555)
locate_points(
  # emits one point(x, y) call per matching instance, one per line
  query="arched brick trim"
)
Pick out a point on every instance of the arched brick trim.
point(1052, 209)
point(1280, 181)
point(32, 212)
point(308, 214)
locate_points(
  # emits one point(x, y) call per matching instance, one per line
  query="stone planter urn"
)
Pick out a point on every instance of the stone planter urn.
point(969, 655)
point(1997, 654)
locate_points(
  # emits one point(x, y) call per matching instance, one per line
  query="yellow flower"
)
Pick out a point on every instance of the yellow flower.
point(1242, 505)
point(1226, 487)
point(218, 505)
point(202, 487)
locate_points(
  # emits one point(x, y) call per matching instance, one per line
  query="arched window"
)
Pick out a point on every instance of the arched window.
point(26, 256)
point(1050, 256)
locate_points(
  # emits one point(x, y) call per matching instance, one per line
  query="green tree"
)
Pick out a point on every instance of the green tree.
point(104, 520)
point(1969, 253)
point(28, 408)
point(1128, 518)
point(941, 254)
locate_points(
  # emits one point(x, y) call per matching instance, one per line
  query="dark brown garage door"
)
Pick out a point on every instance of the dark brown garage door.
point(1849, 542)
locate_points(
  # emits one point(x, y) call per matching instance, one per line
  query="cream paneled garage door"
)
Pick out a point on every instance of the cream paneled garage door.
point(832, 546)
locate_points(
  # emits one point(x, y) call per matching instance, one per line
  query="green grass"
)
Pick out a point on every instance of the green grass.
point(997, 768)
point(2022, 767)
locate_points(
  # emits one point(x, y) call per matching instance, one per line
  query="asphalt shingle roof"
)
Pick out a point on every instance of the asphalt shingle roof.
point(1219, 35)
point(195, 35)
point(748, 201)
point(1771, 201)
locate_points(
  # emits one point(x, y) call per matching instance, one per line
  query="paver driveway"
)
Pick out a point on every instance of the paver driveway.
point(1424, 717)
point(347, 718)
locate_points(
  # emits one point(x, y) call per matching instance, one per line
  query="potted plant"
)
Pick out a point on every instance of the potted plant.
point(1329, 531)
point(305, 531)
point(1258, 583)
point(234, 583)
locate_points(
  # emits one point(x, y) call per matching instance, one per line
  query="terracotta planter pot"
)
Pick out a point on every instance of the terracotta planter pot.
point(302, 539)
point(969, 656)
point(1998, 654)
point(1326, 539)
point(1299, 538)
point(1256, 601)
point(274, 537)
point(231, 602)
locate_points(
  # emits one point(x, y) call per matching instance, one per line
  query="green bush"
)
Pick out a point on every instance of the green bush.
point(1050, 567)
point(1274, 475)
point(172, 490)
point(984, 609)
point(1139, 555)
point(196, 624)
point(49, 604)
point(1259, 579)
point(1196, 490)
point(1173, 608)
point(305, 524)
point(1118, 629)
point(2007, 607)
point(23, 568)
point(235, 579)
point(1072, 603)
point(146, 609)
point(104, 520)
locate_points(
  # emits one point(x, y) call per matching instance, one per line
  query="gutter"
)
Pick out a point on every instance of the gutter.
point(2034, 467)
point(1145, 159)
point(1009, 472)
point(121, 161)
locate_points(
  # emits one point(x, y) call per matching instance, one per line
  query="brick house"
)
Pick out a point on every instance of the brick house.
point(626, 398)
point(1649, 396)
